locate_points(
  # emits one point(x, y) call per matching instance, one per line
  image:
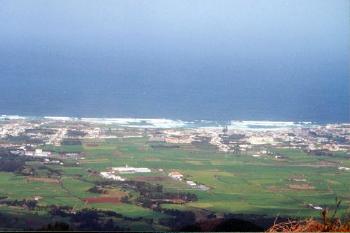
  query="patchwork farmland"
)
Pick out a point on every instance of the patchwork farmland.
point(237, 184)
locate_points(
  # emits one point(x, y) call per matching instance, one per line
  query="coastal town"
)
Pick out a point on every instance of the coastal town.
point(164, 165)
point(30, 135)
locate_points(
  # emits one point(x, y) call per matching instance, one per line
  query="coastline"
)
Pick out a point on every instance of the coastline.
point(165, 123)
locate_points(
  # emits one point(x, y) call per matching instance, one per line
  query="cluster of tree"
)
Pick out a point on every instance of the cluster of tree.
point(330, 137)
point(51, 172)
point(75, 133)
point(341, 140)
point(222, 225)
point(71, 142)
point(35, 171)
point(10, 162)
point(149, 199)
point(62, 211)
point(320, 152)
point(41, 131)
point(178, 218)
point(233, 137)
point(56, 226)
point(88, 219)
point(30, 204)
point(163, 146)
point(201, 140)
point(27, 171)
point(68, 211)
point(151, 195)
point(23, 139)
point(97, 189)
point(125, 199)
point(261, 221)
point(8, 221)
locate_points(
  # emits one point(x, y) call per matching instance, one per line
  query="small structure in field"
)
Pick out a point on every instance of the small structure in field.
point(314, 207)
point(191, 183)
point(176, 175)
point(202, 187)
point(37, 153)
point(111, 176)
point(130, 170)
point(37, 198)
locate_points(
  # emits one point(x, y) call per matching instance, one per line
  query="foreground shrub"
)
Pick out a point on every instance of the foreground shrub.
point(326, 224)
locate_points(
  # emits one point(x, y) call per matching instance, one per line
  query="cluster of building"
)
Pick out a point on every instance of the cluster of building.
point(176, 175)
point(111, 176)
point(344, 168)
point(27, 136)
point(330, 138)
point(180, 177)
point(130, 170)
point(37, 153)
point(113, 173)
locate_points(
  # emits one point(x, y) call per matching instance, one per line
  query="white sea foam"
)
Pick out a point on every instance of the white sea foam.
point(168, 123)
point(59, 118)
point(266, 125)
point(138, 122)
point(12, 117)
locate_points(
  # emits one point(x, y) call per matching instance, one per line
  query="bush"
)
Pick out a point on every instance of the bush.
point(328, 223)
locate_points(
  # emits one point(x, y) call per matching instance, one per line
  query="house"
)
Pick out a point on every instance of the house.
point(111, 176)
point(344, 168)
point(315, 207)
point(176, 175)
point(37, 153)
point(191, 183)
point(29, 153)
point(41, 153)
point(131, 170)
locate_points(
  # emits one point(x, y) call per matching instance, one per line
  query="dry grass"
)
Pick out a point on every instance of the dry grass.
point(43, 179)
point(301, 186)
point(309, 225)
point(113, 200)
point(326, 224)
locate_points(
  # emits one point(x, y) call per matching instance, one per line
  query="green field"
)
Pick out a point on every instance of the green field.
point(238, 183)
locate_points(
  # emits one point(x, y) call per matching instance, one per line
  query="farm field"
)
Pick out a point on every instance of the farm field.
point(238, 184)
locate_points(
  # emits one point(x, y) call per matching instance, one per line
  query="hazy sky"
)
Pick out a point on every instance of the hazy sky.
point(234, 59)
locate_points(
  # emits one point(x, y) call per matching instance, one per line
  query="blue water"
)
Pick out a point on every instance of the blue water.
point(212, 99)
point(183, 59)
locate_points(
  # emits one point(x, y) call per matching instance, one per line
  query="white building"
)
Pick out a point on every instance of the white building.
point(131, 170)
point(191, 183)
point(260, 140)
point(176, 175)
point(111, 176)
point(344, 168)
point(41, 153)
point(37, 153)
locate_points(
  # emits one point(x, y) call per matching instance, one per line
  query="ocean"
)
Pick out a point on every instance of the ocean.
point(188, 60)
point(171, 99)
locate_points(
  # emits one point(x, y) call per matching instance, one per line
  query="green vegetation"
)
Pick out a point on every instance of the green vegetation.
point(238, 183)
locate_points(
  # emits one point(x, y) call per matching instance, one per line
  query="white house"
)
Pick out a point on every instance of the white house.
point(41, 153)
point(176, 175)
point(111, 176)
point(344, 168)
point(191, 183)
point(127, 169)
